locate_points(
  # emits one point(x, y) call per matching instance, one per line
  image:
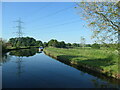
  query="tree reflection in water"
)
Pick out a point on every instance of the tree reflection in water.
point(24, 52)
point(19, 57)
point(20, 53)
point(5, 58)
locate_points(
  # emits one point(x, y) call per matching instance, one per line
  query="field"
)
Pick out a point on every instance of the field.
point(102, 60)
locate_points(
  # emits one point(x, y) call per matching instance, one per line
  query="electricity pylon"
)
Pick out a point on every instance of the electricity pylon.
point(19, 32)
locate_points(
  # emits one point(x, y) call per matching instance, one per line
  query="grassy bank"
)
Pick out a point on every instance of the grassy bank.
point(100, 60)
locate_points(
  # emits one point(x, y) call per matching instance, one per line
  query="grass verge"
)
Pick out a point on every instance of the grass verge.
point(99, 60)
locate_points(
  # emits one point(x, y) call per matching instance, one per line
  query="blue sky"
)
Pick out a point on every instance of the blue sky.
point(45, 21)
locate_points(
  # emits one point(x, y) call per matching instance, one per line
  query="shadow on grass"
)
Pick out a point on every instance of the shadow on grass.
point(92, 62)
point(66, 58)
point(81, 65)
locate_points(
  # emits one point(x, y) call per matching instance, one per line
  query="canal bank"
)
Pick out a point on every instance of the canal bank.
point(66, 58)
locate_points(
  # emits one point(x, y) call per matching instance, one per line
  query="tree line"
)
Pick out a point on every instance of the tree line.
point(31, 42)
point(24, 41)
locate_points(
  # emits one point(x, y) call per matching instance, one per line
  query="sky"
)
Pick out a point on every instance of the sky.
point(45, 21)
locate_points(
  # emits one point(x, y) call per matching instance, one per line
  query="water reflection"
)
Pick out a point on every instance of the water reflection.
point(19, 57)
point(5, 58)
point(19, 66)
point(24, 52)
point(19, 53)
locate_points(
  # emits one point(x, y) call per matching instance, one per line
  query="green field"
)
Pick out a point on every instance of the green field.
point(102, 60)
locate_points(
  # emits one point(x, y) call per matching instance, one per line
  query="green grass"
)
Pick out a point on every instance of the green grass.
point(102, 59)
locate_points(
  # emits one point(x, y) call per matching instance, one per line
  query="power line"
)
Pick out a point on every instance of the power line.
point(57, 25)
point(37, 11)
point(54, 13)
point(50, 23)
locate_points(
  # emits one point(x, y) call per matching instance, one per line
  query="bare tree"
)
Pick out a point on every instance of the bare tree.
point(82, 39)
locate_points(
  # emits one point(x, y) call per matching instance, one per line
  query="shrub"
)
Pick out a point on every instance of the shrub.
point(96, 46)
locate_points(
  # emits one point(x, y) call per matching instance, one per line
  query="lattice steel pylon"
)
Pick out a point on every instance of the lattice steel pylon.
point(19, 27)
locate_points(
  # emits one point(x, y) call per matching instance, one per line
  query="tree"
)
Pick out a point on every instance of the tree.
point(82, 41)
point(50, 42)
point(3, 45)
point(96, 46)
point(53, 43)
point(61, 44)
point(24, 41)
point(39, 43)
point(32, 41)
point(104, 17)
point(75, 45)
point(45, 44)
point(68, 45)
point(88, 45)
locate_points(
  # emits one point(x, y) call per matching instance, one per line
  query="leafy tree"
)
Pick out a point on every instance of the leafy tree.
point(88, 45)
point(69, 44)
point(96, 46)
point(50, 43)
point(3, 45)
point(55, 43)
point(32, 41)
point(24, 41)
point(75, 45)
point(39, 43)
point(45, 44)
point(104, 17)
point(61, 44)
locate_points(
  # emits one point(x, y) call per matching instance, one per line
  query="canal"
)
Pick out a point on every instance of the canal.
point(30, 68)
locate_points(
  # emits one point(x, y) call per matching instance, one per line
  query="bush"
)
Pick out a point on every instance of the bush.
point(96, 46)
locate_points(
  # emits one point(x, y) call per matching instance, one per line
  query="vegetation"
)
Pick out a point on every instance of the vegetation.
point(19, 43)
point(104, 17)
point(55, 43)
point(101, 60)
point(24, 41)
point(82, 41)
point(3, 45)
point(96, 46)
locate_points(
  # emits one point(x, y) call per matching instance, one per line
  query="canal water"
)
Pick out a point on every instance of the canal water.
point(30, 68)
